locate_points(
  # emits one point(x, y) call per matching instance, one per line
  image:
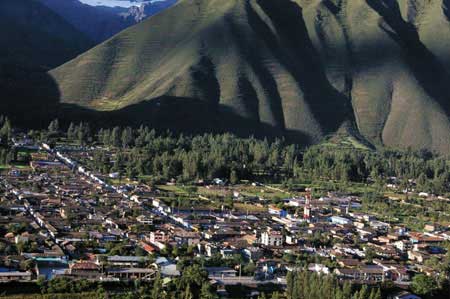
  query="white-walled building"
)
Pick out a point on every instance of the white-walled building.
point(272, 238)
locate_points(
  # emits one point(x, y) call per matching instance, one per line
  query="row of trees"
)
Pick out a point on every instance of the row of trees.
point(414, 216)
point(80, 133)
point(307, 285)
point(200, 157)
point(192, 284)
point(428, 172)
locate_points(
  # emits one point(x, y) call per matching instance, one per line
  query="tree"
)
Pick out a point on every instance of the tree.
point(423, 285)
point(206, 292)
point(5, 131)
point(375, 294)
point(303, 284)
point(370, 254)
point(131, 171)
point(27, 265)
point(71, 131)
point(157, 288)
point(100, 292)
point(250, 268)
point(21, 247)
point(41, 283)
point(347, 290)
point(190, 190)
point(115, 137)
point(275, 295)
point(127, 137)
point(187, 293)
point(83, 133)
point(139, 251)
point(364, 292)
point(234, 179)
point(58, 285)
point(53, 127)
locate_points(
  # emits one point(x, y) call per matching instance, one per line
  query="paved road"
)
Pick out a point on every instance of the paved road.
point(246, 280)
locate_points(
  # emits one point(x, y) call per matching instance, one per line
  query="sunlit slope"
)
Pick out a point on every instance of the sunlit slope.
point(305, 67)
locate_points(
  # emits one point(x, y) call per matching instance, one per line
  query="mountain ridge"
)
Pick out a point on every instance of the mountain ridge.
point(303, 69)
point(101, 22)
point(304, 66)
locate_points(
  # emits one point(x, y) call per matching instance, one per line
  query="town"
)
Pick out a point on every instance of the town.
point(64, 220)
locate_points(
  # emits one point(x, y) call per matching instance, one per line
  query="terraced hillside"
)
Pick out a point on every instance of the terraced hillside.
point(304, 68)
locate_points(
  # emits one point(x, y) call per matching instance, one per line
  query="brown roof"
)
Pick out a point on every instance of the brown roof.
point(85, 266)
point(349, 262)
point(372, 270)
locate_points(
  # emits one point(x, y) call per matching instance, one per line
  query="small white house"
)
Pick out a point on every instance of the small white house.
point(114, 175)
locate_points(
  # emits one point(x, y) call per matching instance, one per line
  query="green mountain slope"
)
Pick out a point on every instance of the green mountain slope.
point(33, 40)
point(303, 67)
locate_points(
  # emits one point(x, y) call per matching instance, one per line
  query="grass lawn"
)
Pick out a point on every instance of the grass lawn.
point(246, 190)
point(243, 207)
point(264, 192)
point(214, 192)
point(347, 141)
point(174, 189)
point(395, 196)
point(353, 142)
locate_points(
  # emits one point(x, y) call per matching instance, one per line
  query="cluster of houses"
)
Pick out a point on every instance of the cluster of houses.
point(62, 217)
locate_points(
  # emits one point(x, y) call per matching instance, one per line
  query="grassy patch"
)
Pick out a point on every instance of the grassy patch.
point(263, 192)
point(243, 207)
point(172, 188)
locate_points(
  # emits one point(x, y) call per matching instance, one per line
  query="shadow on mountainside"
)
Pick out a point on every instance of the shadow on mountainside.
point(446, 8)
point(32, 99)
point(30, 96)
point(297, 54)
point(203, 74)
point(427, 69)
point(249, 50)
point(180, 115)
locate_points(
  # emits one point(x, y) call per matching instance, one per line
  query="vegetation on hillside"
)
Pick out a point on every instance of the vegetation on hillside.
point(299, 68)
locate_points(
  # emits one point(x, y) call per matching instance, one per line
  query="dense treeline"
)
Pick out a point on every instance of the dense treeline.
point(192, 284)
point(307, 285)
point(208, 156)
point(164, 156)
point(430, 173)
